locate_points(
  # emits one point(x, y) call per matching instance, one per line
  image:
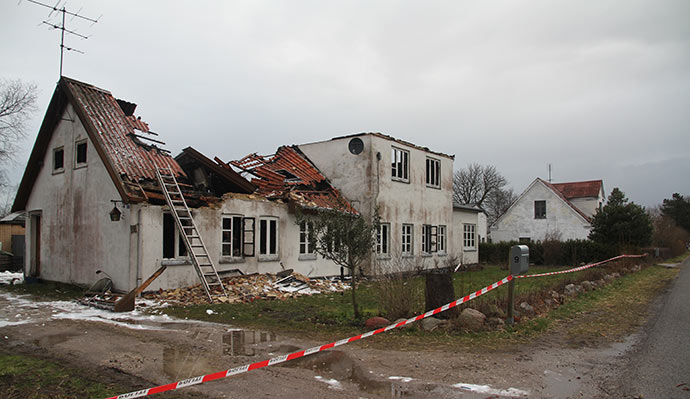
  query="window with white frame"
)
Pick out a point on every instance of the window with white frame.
point(433, 172)
point(469, 237)
point(429, 238)
point(400, 163)
point(383, 239)
point(306, 238)
point(407, 246)
point(231, 236)
point(441, 239)
point(173, 243)
point(268, 237)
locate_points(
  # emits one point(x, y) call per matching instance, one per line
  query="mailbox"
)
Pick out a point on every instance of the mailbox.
point(519, 259)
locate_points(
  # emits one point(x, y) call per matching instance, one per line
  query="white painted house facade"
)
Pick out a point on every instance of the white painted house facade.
point(560, 211)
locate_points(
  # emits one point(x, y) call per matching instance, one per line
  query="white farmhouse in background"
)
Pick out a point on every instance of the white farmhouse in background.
point(560, 211)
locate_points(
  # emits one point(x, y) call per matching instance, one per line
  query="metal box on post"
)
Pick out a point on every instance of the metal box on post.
point(519, 259)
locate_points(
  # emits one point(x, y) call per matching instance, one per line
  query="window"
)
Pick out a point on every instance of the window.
point(80, 153)
point(268, 237)
point(58, 160)
point(441, 239)
point(172, 248)
point(407, 230)
point(429, 238)
point(231, 236)
point(383, 239)
point(540, 209)
point(306, 238)
point(524, 240)
point(400, 163)
point(469, 237)
point(433, 173)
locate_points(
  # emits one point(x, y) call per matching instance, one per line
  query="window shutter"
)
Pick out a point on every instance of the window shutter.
point(248, 237)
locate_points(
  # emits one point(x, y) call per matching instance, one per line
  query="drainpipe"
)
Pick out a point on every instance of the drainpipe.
point(138, 283)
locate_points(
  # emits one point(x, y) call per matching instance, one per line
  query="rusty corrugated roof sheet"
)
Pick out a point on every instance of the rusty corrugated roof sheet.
point(580, 189)
point(288, 174)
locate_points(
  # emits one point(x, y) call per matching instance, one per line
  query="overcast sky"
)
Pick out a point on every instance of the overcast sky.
point(599, 89)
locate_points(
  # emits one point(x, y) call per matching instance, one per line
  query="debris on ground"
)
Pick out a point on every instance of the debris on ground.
point(243, 289)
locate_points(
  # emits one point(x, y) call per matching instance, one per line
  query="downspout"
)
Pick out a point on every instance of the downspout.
point(138, 282)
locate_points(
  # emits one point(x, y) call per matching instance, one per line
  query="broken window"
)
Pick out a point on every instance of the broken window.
point(268, 237)
point(80, 153)
point(172, 248)
point(407, 246)
point(59, 159)
point(540, 209)
point(400, 164)
point(306, 238)
point(383, 239)
point(429, 238)
point(248, 237)
point(433, 173)
point(231, 236)
point(469, 240)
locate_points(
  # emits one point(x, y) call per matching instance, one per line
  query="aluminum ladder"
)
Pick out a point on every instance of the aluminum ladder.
point(203, 264)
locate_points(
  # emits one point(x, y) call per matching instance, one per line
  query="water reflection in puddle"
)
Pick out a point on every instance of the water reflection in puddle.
point(235, 343)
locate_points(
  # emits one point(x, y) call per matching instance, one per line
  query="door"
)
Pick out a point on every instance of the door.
point(35, 256)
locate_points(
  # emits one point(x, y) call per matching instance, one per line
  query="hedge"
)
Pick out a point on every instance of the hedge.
point(552, 253)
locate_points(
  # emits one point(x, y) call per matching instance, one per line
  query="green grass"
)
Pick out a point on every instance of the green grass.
point(678, 259)
point(28, 377)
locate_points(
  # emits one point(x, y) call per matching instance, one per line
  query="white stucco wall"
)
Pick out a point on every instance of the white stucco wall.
point(77, 236)
point(519, 220)
point(588, 205)
point(208, 220)
point(460, 218)
point(366, 179)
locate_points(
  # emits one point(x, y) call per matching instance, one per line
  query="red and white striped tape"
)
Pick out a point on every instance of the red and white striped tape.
point(306, 352)
point(577, 269)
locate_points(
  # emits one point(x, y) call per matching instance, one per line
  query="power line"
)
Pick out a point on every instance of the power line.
point(57, 9)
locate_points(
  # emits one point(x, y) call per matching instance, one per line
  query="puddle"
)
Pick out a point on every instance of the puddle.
point(242, 342)
point(179, 364)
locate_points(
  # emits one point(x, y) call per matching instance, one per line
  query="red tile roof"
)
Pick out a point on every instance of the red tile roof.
point(564, 198)
point(290, 175)
point(579, 189)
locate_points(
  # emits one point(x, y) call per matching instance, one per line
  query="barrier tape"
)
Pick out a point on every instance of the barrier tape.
point(577, 269)
point(284, 358)
point(295, 355)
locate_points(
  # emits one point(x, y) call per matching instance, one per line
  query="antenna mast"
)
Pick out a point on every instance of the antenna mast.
point(549, 173)
point(62, 27)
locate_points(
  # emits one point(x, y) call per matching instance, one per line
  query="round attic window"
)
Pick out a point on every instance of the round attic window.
point(356, 146)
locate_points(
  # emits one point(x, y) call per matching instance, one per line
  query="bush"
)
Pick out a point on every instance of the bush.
point(551, 252)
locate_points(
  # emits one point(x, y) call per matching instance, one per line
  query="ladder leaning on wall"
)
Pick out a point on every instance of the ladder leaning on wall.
point(203, 264)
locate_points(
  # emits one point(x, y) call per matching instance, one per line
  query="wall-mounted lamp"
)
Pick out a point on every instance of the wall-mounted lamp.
point(115, 214)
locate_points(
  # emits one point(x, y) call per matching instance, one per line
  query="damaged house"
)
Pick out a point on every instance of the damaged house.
point(94, 203)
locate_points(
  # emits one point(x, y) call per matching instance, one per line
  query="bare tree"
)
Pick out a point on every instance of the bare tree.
point(476, 183)
point(16, 105)
point(498, 203)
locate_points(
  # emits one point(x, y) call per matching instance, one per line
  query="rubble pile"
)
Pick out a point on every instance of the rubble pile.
point(243, 289)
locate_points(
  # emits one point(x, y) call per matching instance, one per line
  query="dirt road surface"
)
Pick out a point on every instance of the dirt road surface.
point(148, 350)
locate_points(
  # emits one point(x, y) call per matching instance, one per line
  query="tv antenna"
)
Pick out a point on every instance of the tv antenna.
point(549, 173)
point(63, 29)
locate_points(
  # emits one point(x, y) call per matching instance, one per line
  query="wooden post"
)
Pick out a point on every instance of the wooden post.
point(511, 302)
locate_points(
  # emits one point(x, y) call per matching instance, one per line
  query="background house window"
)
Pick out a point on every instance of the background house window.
point(268, 237)
point(306, 238)
point(407, 246)
point(433, 173)
point(540, 209)
point(383, 239)
point(58, 159)
point(400, 164)
point(231, 236)
point(172, 247)
point(429, 238)
point(469, 240)
point(524, 240)
point(441, 239)
point(80, 153)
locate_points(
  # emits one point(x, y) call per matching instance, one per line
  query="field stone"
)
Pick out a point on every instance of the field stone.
point(570, 290)
point(608, 277)
point(410, 325)
point(492, 310)
point(601, 283)
point(587, 285)
point(527, 309)
point(636, 268)
point(579, 289)
point(431, 323)
point(495, 323)
point(615, 275)
point(376, 322)
point(471, 319)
